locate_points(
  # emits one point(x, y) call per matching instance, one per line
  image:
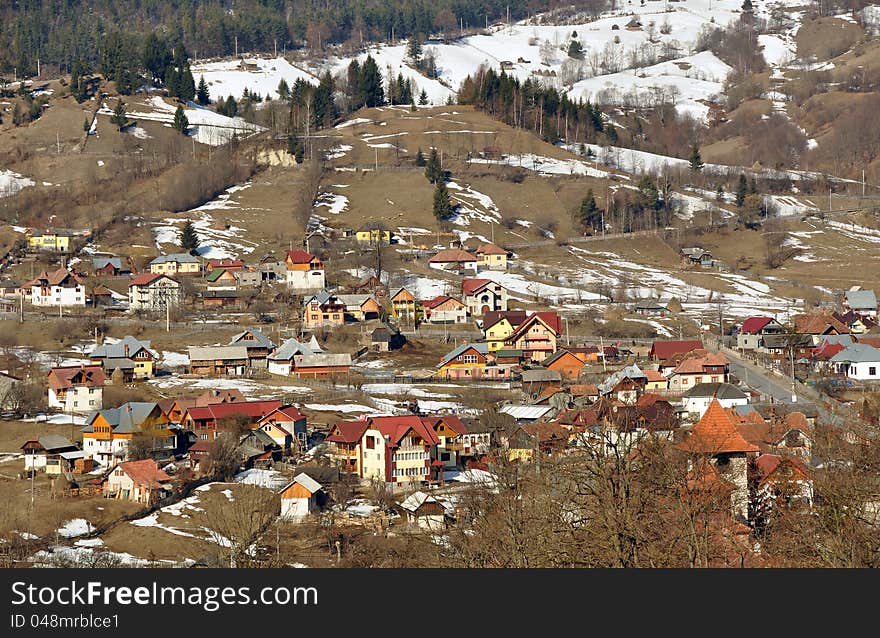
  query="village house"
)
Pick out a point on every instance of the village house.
point(483, 295)
point(655, 381)
point(207, 422)
point(547, 438)
point(272, 269)
point(300, 497)
point(696, 256)
point(139, 353)
point(754, 329)
point(858, 361)
point(444, 309)
point(625, 384)
point(108, 433)
point(405, 307)
point(449, 430)
point(651, 308)
point(45, 453)
point(322, 365)
point(861, 302)
point(664, 350)
point(386, 338)
point(57, 241)
point(109, 267)
point(137, 481)
point(477, 441)
point(817, 325)
point(696, 400)
point(78, 389)
point(212, 299)
point(176, 264)
point(344, 445)
point(282, 358)
point(565, 363)
point(373, 233)
point(699, 367)
point(152, 291)
point(362, 307)
point(285, 426)
point(857, 324)
point(454, 259)
point(537, 336)
point(305, 272)
point(426, 511)
point(472, 361)
point(784, 481)
point(715, 440)
point(323, 310)
point(221, 279)
point(491, 257)
point(258, 347)
point(398, 449)
point(498, 326)
point(218, 360)
point(226, 264)
point(58, 288)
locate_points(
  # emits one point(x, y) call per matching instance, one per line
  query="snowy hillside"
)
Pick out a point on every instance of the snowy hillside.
point(260, 76)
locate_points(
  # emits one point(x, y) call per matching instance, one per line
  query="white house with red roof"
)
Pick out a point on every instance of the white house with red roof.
point(137, 481)
point(153, 291)
point(305, 272)
point(285, 425)
point(57, 288)
point(398, 449)
point(444, 309)
point(754, 329)
point(483, 295)
point(454, 259)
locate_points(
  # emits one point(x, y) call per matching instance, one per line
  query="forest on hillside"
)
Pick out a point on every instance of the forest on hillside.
point(62, 32)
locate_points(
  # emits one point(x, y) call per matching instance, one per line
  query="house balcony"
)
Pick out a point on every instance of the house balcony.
point(454, 447)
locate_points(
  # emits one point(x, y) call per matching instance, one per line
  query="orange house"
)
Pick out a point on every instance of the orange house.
point(344, 440)
point(323, 309)
point(565, 363)
point(305, 272)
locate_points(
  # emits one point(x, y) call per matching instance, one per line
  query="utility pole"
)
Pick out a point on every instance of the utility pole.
point(236, 46)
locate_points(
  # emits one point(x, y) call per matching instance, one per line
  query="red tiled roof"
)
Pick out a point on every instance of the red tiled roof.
point(490, 249)
point(145, 473)
point(348, 432)
point(396, 427)
point(648, 398)
point(584, 390)
point(62, 378)
point(451, 255)
point(514, 317)
point(716, 433)
point(290, 412)
point(767, 464)
point(754, 325)
point(146, 279)
point(224, 263)
point(252, 409)
point(437, 301)
point(451, 420)
point(551, 319)
point(667, 349)
point(300, 256)
point(653, 376)
point(470, 286)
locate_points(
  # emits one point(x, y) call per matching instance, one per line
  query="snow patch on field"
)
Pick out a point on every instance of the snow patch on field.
point(545, 165)
point(334, 202)
point(11, 183)
point(76, 527)
point(228, 77)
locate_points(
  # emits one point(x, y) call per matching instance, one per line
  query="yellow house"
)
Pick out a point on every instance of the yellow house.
point(52, 241)
point(138, 352)
point(498, 326)
point(491, 257)
point(177, 264)
point(656, 381)
point(404, 305)
point(109, 432)
point(373, 233)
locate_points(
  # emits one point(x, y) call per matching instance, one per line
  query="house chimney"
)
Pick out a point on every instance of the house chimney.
point(125, 348)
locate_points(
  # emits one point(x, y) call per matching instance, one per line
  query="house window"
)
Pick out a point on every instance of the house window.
point(371, 444)
point(872, 371)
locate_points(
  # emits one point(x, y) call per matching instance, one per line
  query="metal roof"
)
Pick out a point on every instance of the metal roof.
point(211, 353)
point(526, 411)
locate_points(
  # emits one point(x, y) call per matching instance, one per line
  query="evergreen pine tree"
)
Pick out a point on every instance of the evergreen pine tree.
point(203, 96)
point(719, 193)
point(433, 170)
point(324, 106)
point(189, 240)
point(119, 118)
point(370, 84)
point(283, 90)
point(423, 98)
point(186, 88)
point(172, 81)
point(588, 213)
point(741, 191)
point(753, 186)
point(420, 158)
point(181, 122)
point(442, 203)
point(695, 160)
point(575, 50)
point(611, 132)
point(414, 50)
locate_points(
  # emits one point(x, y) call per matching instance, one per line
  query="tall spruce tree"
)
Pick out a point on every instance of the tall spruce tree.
point(189, 240)
point(119, 118)
point(203, 95)
point(696, 161)
point(423, 98)
point(370, 84)
point(420, 158)
point(181, 122)
point(588, 213)
point(742, 190)
point(442, 203)
point(433, 169)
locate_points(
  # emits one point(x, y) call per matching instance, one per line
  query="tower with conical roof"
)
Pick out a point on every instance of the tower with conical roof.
point(717, 438)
